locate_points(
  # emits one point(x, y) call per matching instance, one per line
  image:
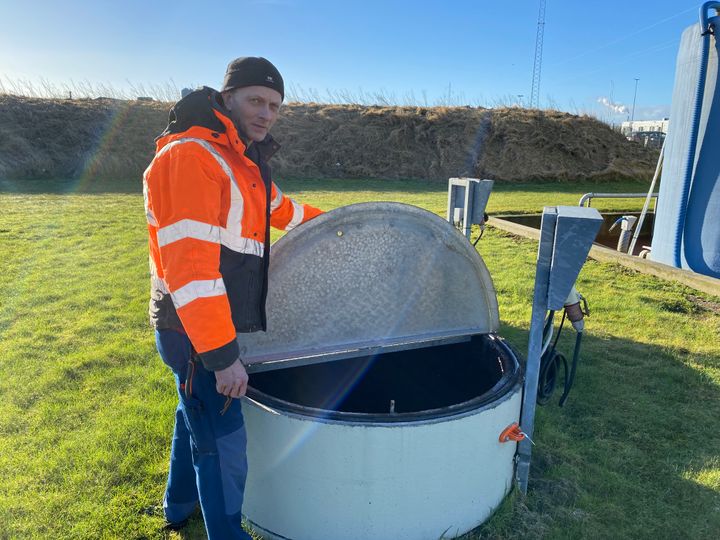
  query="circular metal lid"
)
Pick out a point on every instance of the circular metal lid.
point(367, 278)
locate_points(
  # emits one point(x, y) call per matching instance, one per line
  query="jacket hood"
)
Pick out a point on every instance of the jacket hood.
point(202, 114)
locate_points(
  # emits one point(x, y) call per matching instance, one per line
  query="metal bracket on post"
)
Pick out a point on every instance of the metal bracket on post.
point(467, 199)
point(566, 235)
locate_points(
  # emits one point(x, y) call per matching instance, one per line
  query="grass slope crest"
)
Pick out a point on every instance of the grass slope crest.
point(55, 138)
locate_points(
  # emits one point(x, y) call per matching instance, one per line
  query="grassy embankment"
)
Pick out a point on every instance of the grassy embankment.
point(86, 408)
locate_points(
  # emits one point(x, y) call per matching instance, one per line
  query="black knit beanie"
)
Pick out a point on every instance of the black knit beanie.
point(252, 71)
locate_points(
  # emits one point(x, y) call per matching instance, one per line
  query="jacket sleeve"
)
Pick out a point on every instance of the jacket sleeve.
point(286, 213)
point(186, 199)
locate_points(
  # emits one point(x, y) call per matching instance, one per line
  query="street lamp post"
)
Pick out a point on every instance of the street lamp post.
point(632, 114)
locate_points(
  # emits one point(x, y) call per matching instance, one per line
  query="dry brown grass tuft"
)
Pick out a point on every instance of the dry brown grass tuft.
point(54, 138)
point(51, 138)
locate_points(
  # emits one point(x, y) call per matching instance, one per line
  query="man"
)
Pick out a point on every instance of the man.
point(210, 201)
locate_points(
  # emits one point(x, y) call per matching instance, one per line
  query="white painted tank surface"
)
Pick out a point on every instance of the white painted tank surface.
point(380, 389)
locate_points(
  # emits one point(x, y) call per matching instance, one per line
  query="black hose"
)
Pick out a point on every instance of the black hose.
point(562, 323)
point(547, 378)
point(549, 364)
point(569, 382)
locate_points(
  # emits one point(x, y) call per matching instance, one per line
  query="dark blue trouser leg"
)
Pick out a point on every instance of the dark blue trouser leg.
point(181, 496)
point(218, 450)
point(208, 453)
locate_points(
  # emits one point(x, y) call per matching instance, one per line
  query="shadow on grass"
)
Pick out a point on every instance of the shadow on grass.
point(364, 184)
point(71, 186)
point(632, 454)
point(134, 185)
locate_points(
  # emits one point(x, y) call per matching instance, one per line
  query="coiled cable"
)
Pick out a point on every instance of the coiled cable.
point(550, 363)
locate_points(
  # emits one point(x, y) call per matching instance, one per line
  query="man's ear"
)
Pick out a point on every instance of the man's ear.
point(226, 99)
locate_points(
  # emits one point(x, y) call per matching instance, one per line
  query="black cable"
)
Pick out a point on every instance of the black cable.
point(550, 364)
point(569, 382)
point(562, 322)
point(547, 378)
point(479, 237)
point(482, 228)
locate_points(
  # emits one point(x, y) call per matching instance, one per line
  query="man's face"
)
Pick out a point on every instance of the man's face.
point(254, 109)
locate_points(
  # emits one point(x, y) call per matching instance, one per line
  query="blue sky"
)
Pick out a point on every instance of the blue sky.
point(460, 52)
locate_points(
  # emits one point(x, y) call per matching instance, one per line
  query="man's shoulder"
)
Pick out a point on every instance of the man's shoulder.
point(197, 109)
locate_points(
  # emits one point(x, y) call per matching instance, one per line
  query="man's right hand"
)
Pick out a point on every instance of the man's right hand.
point(232, 381)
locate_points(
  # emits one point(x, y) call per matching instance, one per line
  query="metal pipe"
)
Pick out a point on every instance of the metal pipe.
point(589, 196)
point(658, 168)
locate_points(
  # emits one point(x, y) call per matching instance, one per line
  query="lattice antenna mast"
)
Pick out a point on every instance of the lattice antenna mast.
point(537, 64)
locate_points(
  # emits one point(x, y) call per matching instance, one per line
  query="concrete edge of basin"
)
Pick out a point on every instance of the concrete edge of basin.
point(700, 282)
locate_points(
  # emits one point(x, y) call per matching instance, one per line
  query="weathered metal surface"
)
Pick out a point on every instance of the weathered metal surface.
point(566, 234)
point(575, 232)
point(467, 200)
point(371, 275)
point(532, 368)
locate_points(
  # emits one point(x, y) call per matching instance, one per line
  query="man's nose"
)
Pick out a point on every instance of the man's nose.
point(265, 112)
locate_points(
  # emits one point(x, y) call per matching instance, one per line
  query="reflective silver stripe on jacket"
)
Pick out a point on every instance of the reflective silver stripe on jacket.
point(148, 213)
point(202, 288)
point(298, 214)
point(188, 228)
point(277, 200)
point(240, 244)
point(155, 280)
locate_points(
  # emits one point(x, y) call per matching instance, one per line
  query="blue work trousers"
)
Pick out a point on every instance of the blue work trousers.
point(208, 464)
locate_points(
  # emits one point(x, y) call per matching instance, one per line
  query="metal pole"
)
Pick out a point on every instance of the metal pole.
point(537, 63)
point(632, 115)
point(537, 323)
point(646, 206)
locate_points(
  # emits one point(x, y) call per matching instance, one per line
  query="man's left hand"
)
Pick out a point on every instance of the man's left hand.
point(232, 381)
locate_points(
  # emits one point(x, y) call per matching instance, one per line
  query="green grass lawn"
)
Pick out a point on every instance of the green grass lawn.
point(86, 406)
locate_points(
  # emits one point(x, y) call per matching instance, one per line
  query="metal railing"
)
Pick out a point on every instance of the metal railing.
point(590, 196)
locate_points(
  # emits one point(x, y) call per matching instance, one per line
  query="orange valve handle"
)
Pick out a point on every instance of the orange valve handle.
point(512, 433)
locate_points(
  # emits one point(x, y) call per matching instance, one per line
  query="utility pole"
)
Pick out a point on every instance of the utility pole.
point(537, 63)
point(632, 114)
point(520, 102)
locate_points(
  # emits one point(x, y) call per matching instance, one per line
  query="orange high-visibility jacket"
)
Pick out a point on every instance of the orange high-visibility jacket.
point(209, 202)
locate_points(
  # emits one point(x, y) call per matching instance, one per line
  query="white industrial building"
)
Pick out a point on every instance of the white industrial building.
point(647, 132)
point(644, 126)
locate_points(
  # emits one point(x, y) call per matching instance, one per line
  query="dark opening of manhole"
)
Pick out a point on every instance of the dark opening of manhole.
point(605, 236)
point(396, 386)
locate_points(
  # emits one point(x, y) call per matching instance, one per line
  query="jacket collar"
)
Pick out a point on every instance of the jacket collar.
point(202, 114)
